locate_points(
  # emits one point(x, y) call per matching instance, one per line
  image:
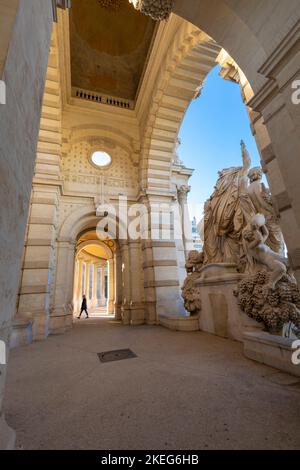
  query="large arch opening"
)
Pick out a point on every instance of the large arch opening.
point(94, 275)
point(210, 136)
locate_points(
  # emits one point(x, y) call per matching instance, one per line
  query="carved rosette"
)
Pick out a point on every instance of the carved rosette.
point(158, 10)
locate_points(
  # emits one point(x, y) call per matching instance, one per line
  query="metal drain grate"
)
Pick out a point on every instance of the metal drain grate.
point(118, 355)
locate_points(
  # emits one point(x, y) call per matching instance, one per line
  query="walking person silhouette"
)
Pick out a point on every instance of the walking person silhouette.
point(83, 307)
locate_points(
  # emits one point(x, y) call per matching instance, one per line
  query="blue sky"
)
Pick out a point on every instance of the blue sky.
point(210, 136)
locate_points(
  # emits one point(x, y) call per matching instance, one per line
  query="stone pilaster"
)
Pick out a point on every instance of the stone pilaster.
point(40, 247)
point(39, 260)
point(182, 194)
point(94, 301)
point(78, 290)
point(137, 307)
point(126, 288)
point(160, 262)
point(102, 286)
point(87, 281)
point(118, 285)
point(62, 308)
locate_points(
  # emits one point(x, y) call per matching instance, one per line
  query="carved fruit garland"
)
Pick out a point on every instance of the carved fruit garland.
point(273, 307)
point(158, 10)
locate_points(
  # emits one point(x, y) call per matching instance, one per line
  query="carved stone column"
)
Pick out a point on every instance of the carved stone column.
point(118, 286)
point(75, 283)
point(87, 279)
point(182, 192)
point(94, 302)
point(79, 283)
point(103, 299)
point(111, 285)
point(137, 310)
point(125, 283)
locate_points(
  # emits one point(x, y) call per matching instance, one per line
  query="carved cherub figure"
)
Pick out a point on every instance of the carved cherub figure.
point(262, 203)
point(254, 240)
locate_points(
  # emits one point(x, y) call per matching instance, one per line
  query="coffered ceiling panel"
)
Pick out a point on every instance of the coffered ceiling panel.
point(109, 46)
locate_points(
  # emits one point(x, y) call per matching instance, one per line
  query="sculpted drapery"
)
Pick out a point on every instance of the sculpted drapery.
point(231, 207)
point(224, 214)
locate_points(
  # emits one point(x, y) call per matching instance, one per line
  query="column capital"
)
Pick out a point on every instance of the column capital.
point(182, 192)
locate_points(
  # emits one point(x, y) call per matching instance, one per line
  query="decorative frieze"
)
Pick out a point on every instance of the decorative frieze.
point(96, 180)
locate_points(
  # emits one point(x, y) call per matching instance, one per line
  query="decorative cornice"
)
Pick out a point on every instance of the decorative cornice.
point(264, 96)
point(282, 54)
point(278, 57)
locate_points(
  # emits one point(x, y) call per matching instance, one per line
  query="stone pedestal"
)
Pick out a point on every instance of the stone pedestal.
point(60, 324)
point(271, 350)
point(125, 313)
point(21, 334)
point(220, 314)
point(137, 314)
point(180, 323)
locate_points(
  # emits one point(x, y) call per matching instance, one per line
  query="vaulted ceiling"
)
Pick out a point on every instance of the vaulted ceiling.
point(109, 47)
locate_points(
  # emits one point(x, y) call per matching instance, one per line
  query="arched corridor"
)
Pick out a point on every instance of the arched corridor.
point(94, 275)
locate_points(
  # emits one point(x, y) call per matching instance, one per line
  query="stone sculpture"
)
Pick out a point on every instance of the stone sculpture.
point(230, 209)
point(269, 293)
point(190, 293)
point(194, 262)
point(241, 227)
point(158, 10)
point(176, 158)
point(255, 236)
point(262, 203)
point(224, 214)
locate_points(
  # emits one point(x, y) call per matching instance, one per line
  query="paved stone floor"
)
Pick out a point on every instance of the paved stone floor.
point(183, 391)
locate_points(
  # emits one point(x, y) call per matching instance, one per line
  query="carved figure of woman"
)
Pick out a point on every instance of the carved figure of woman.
point(224, 217)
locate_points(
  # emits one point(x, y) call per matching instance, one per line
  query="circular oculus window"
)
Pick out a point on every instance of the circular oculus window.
point(101, 159)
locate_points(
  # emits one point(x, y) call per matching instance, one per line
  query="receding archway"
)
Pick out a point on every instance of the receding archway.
point(94, 275)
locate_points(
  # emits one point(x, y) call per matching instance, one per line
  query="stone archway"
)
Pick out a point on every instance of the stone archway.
point(95, 275)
